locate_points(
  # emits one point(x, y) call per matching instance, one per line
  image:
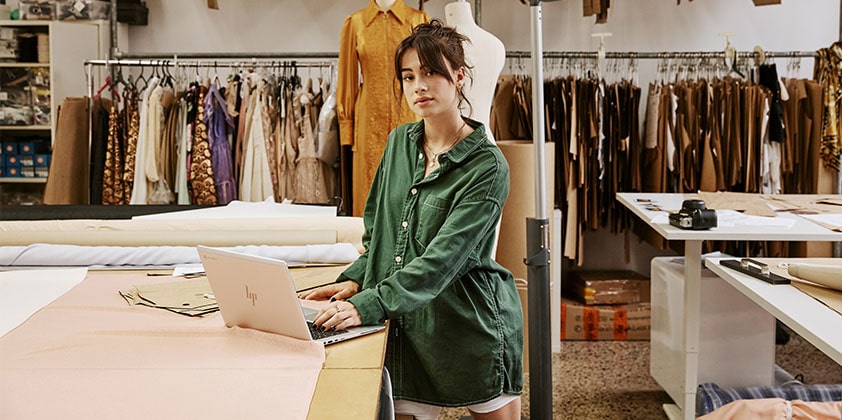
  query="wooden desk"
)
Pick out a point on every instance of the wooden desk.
point(801, 230)
point(354, 365)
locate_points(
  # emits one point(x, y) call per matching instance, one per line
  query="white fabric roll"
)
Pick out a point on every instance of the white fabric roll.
point(47, 255)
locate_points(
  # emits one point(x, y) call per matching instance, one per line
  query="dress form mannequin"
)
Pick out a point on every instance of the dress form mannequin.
point(384, 4)
point(485, 53)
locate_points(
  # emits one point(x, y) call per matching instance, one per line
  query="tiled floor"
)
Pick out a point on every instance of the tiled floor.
point(610, 380)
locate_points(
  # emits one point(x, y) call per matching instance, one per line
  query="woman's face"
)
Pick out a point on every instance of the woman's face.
point(428, 93)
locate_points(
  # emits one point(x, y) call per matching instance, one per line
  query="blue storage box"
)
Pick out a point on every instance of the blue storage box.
point(11, 160)
point(26, 148)
point(42, 160)
point(10, 148)
point(13, 171)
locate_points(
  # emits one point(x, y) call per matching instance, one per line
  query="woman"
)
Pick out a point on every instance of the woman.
point(456, 327)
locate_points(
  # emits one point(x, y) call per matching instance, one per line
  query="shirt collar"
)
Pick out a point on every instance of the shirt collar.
point(463, 148)
point(399, 10)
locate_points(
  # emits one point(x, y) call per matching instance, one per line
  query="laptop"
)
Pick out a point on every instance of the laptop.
point(258, 293)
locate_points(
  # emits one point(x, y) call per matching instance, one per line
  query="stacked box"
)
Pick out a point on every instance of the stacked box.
point(15, 97)
point(83, 10)
point(40, 88)
point(37, 10)
point(605, 322)
point(607, 287)
point(8, 44)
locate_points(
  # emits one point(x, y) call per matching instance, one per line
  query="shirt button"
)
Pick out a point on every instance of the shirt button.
point(398, 258)
point(404, 224)
point(414, 191)
point(420, 156)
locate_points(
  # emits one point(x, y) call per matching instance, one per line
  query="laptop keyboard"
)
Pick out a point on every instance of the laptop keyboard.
point(318, 333)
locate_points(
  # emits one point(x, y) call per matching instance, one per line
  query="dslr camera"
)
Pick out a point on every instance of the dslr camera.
point(694, 215)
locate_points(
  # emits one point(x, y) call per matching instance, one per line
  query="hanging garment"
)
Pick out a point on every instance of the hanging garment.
point(367, 109)
point(218, 122)
point(827, 72)
point(67, 180)
point(132, 126)
point(140, 188)
point(201, 167)
point(309, 178)
point(256, 180)
point(184, 137)
point(112, 175)
point(99, 140)
point(768, 78)
point(287, 150)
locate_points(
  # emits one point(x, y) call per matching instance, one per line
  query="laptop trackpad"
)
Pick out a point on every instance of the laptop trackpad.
point(310, 313)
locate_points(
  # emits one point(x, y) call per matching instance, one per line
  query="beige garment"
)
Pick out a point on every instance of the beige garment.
point(309, 178)
point(67, 182)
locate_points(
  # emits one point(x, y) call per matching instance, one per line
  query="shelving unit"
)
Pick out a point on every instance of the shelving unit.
point(69, 44)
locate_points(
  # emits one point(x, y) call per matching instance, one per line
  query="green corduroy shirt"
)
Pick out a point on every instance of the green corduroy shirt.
point(456, 334)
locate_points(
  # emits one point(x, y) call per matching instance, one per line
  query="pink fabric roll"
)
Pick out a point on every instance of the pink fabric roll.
point(90, 355)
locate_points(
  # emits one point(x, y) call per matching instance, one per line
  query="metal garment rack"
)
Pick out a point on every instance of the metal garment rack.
point(661, 55)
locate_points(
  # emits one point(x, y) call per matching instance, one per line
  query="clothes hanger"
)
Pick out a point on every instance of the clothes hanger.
point(107, 85)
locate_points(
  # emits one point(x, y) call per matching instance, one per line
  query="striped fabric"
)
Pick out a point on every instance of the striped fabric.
point(710, 396)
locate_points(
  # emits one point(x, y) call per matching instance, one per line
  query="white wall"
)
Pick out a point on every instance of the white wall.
point(637, 25)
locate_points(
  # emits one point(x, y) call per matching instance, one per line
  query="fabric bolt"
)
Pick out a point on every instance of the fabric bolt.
point(368, 95)
point(429, 240)
point(153, 357)
point(67, 180)
point(218, 122)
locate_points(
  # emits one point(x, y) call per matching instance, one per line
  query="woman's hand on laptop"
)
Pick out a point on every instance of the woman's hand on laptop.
point(334, 291)
point(339, 315)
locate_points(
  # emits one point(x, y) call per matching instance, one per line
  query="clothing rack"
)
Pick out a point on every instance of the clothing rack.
point(662, 55)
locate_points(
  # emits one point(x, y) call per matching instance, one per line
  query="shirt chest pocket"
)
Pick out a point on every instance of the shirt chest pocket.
point(431, 216)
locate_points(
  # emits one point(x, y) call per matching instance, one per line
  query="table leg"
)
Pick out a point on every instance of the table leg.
point(692, 308)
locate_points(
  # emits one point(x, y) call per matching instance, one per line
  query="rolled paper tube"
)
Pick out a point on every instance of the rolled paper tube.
point(826, 275)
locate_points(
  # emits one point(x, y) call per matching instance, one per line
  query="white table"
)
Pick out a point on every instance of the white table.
point(809, 318)
point(801, 230)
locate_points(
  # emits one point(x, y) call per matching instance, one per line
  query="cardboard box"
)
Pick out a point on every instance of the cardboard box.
point(41, 171)
point(617, 322)
point(607, 287)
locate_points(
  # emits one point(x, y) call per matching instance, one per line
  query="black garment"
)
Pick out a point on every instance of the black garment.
point(99, 139)
point(769, 79)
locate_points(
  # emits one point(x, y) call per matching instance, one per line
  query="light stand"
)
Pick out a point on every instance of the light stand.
point(537, 246)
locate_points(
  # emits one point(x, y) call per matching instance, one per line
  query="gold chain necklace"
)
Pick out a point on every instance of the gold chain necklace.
point(433, 161)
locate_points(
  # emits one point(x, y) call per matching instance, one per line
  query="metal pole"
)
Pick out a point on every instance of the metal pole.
point(836, 247)
point(537, 246)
